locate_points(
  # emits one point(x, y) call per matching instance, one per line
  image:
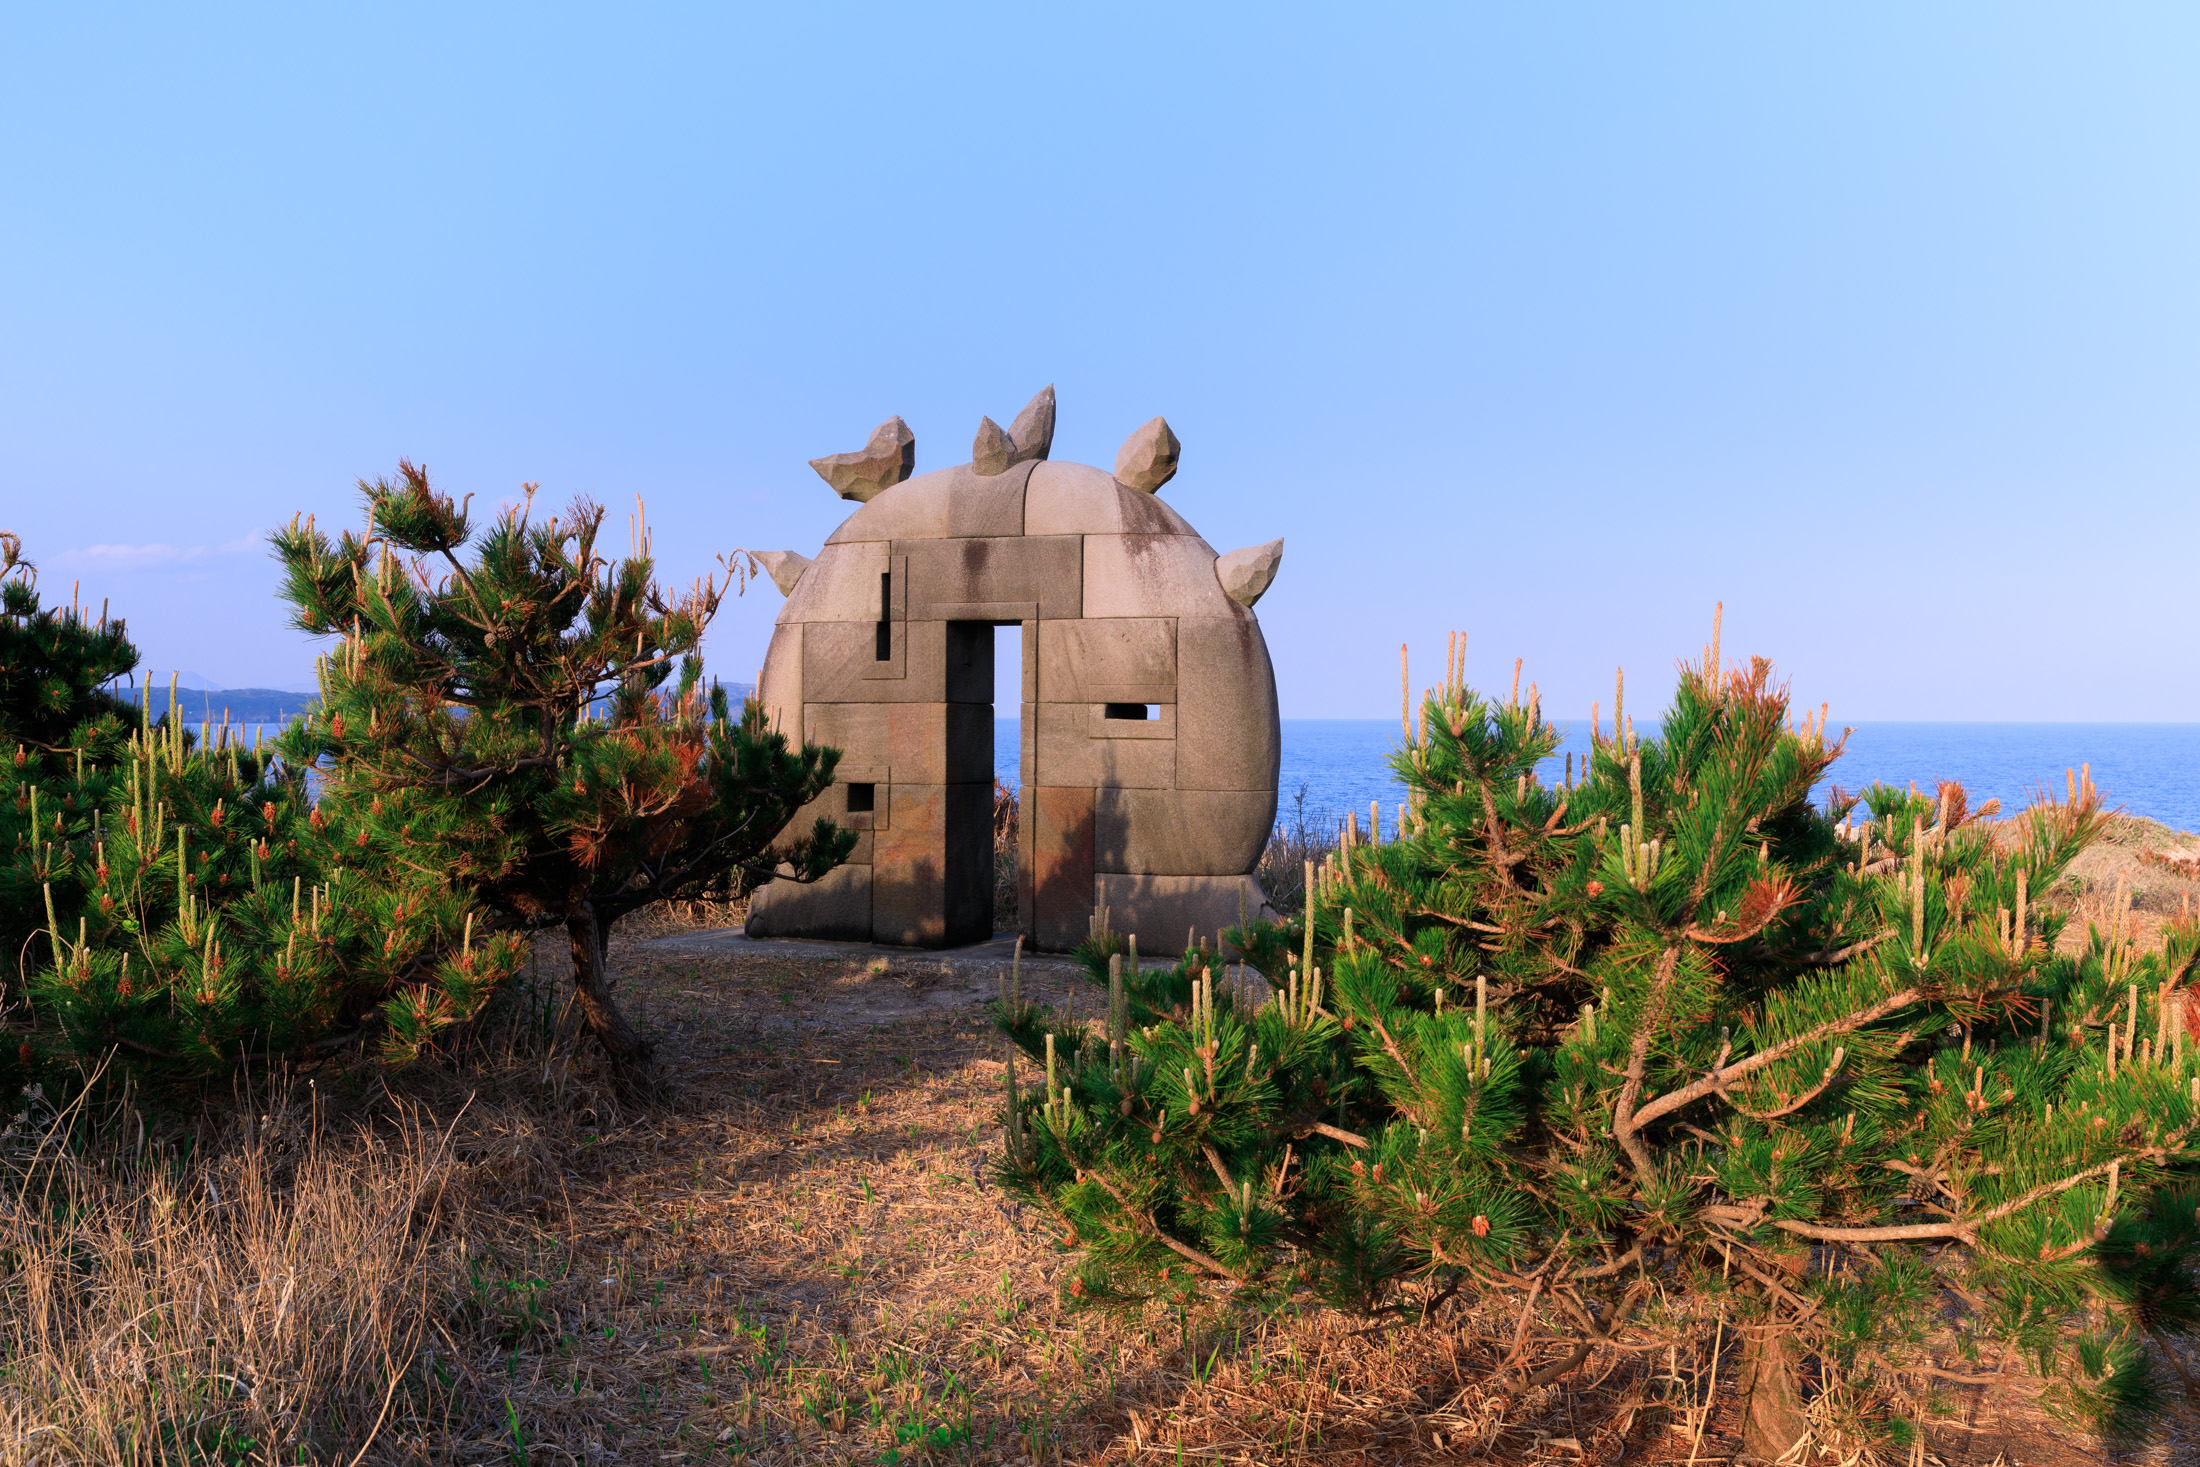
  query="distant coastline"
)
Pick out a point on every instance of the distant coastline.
point(249, 706)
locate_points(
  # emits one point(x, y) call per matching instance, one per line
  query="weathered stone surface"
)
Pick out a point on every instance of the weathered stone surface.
point(1062, 868)
point(944, 743)
point(1227, 731)
point(983, 506)
point(1125, 659)
point(847, 726)
point(1032, 434)
point(1162, 910)
point(837, 905)
point(932, 873)
point(1072, 749)
point(779, 684)
point(1180, 832)
point(943, 504)
point(1147, 459)
point(889, 458)
point(784, 567)
point(1077, 499)
point(1246, 574)
point(842, 584)
point(1149, 736)
point(1152, 575)
point(951, 579)
point(992, 451)
point(840, 666)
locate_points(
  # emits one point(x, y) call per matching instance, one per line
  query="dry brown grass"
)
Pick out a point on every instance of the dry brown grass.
point(270, 1299)
point(802, 1259)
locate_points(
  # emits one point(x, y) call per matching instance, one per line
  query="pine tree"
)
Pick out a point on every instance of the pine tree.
point(1655, 1043)
point(56, 668)
point(171, 903)
point(504, 720)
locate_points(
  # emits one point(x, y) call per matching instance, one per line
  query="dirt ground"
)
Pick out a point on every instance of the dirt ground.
point(803, 1258)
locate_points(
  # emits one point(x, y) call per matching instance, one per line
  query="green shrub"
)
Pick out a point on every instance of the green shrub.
point(1657, 1043)
point(175, 904)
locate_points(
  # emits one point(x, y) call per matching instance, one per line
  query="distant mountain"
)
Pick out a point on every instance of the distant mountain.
point(237, 705)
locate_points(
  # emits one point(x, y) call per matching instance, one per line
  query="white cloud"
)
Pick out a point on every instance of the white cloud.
point(156, 553)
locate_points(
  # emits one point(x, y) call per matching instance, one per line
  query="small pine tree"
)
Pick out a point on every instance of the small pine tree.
point(56, 669)
point(503, 720)
point(1661, 1041)
point(172, 904)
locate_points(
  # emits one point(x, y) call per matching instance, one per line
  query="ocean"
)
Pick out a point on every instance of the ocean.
point(2149, 769)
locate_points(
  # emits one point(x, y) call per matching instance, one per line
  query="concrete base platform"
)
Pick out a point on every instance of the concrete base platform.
point(978, 958)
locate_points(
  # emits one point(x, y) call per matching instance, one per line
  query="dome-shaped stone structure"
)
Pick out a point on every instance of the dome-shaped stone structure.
point(1149, 727)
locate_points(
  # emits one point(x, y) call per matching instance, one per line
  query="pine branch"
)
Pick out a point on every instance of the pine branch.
point(1719, 1078)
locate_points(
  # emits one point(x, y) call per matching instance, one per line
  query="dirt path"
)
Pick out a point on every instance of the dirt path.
point(805, 1258)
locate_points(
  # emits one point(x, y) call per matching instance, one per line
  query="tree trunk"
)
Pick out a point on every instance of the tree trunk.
point(1772, 1411)
point(590, 942)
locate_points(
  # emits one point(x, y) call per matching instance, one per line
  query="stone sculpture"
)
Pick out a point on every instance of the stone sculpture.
point(1149, 727)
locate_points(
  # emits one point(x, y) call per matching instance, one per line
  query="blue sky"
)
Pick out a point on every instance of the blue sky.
point(1552, 323)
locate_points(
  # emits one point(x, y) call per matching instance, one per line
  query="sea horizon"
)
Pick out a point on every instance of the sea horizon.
point(2146, 769)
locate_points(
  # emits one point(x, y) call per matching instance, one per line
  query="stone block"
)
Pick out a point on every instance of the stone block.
point(785, 567)
point(1163, 910)
point(932, 872)
point(1068, 752)
point(779, 685)
point(941, 743)
point(842, 584)
point(991, 449)
point(1126, 659)
point(1033, 430)
point(979, 507)
point(837, 905)
point(1152, 575)
point(942, 504)
point(838, 659)
point(915, 743)
point(858, 730)
point(841, 805)
point(1120, 721)
point(1077, 499)
point(1026, 826)
point(1246, 574)
point(1180, 832)
point(1147, 459)
point(947, 577)
point(1228, 736)
point(887, 459)
point(915, 509)
point(833, 804)
point(1061, 865)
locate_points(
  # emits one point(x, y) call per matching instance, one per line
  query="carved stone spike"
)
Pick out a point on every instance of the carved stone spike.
point(1033, 431)
point(1246, 574)
point(889, 458)
point(1147, 459)
point(784, 567)
point(993, 451)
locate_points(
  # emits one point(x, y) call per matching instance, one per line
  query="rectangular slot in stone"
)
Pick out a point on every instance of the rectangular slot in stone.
point(862, 799)
point(885, 651)
point(1132, 712)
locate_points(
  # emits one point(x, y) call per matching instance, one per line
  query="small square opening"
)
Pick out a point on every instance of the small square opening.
point(862, 799)
point(1136, 712)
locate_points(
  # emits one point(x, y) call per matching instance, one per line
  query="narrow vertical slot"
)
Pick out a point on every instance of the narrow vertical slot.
point(885, 651)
